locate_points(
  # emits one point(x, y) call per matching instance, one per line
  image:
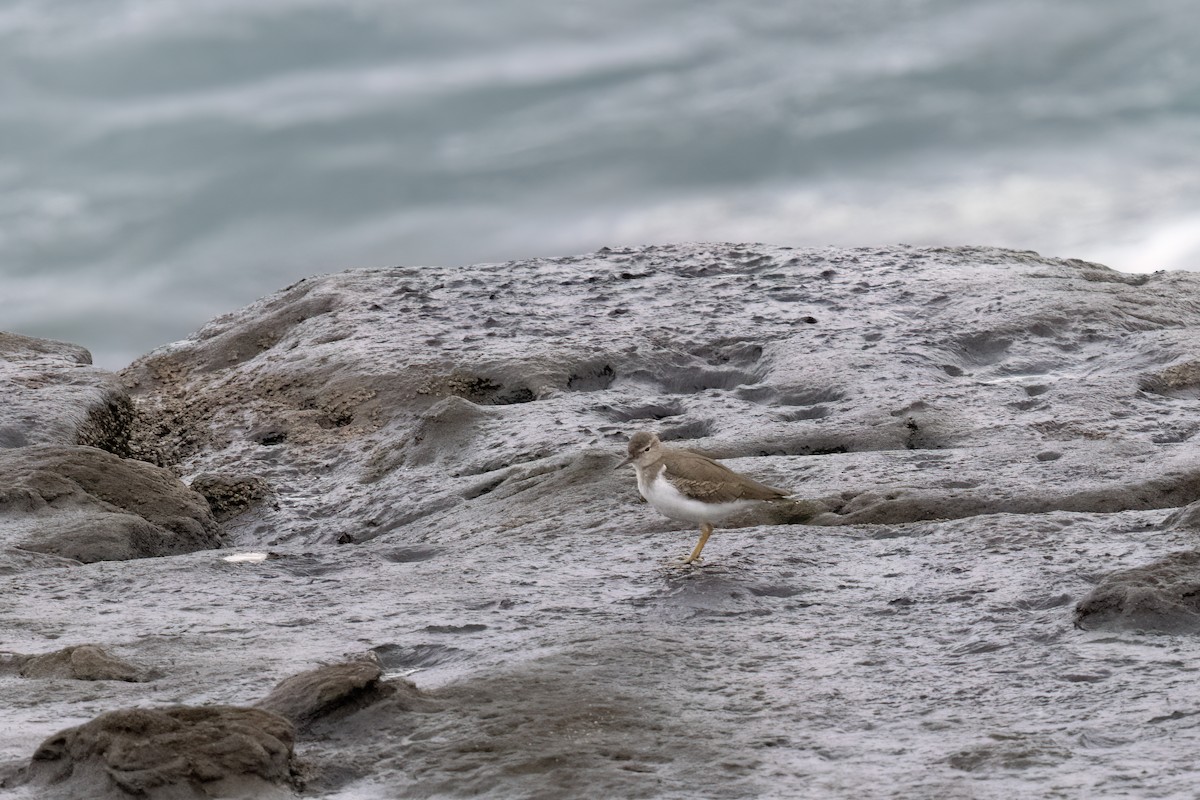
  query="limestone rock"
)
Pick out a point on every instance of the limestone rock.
point(972, 435)
point(90, 505)
point(174, 752)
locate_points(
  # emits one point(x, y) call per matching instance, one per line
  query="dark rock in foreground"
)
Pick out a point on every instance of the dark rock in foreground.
point(90, 505)
point(178, 753)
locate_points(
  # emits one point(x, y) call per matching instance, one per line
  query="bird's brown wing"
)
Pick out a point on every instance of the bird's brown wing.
point(712, 481)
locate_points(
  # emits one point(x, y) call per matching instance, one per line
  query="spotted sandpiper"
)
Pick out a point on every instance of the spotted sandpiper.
point(687, 486)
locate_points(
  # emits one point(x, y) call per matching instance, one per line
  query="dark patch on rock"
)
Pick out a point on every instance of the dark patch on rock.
point(591, 379)
point(649, 411)
point(109, 424)
point(405, 555)
point(691, 429)
point(520, 394)
point(269, 435)
point(419, 656)
point(811, 412)
point(230, 495)
point(913, 439)
point(692, 379)
point(790, 395)
point(177, 752)
point(1162, 596)
point(471, 627)
point(982, 348)
point(478, 389)
point(85, 662)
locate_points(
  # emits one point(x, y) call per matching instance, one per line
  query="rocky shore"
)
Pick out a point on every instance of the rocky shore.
point(364, 538)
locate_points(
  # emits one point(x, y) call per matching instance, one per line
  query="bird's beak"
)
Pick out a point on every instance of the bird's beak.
point(623, 463)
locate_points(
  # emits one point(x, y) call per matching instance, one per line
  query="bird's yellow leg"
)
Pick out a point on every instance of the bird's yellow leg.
point(705, 530)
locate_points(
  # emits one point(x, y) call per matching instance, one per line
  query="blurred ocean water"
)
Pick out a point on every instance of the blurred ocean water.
point(163, 161)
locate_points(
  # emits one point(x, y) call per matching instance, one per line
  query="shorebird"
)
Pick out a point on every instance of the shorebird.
point(687, 486)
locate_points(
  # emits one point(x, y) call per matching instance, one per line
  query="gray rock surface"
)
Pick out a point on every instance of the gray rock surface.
point(53, 395)
point(89, 505)
point(976, 437)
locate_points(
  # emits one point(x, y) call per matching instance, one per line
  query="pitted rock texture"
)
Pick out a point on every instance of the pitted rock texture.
point(421, 465)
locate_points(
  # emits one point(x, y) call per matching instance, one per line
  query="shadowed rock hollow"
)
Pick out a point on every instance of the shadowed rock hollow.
point(423, 460)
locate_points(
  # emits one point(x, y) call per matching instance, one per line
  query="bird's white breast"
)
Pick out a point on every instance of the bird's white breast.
point(670, 502)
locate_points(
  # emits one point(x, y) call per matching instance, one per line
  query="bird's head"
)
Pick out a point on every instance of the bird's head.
point(643, 449)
